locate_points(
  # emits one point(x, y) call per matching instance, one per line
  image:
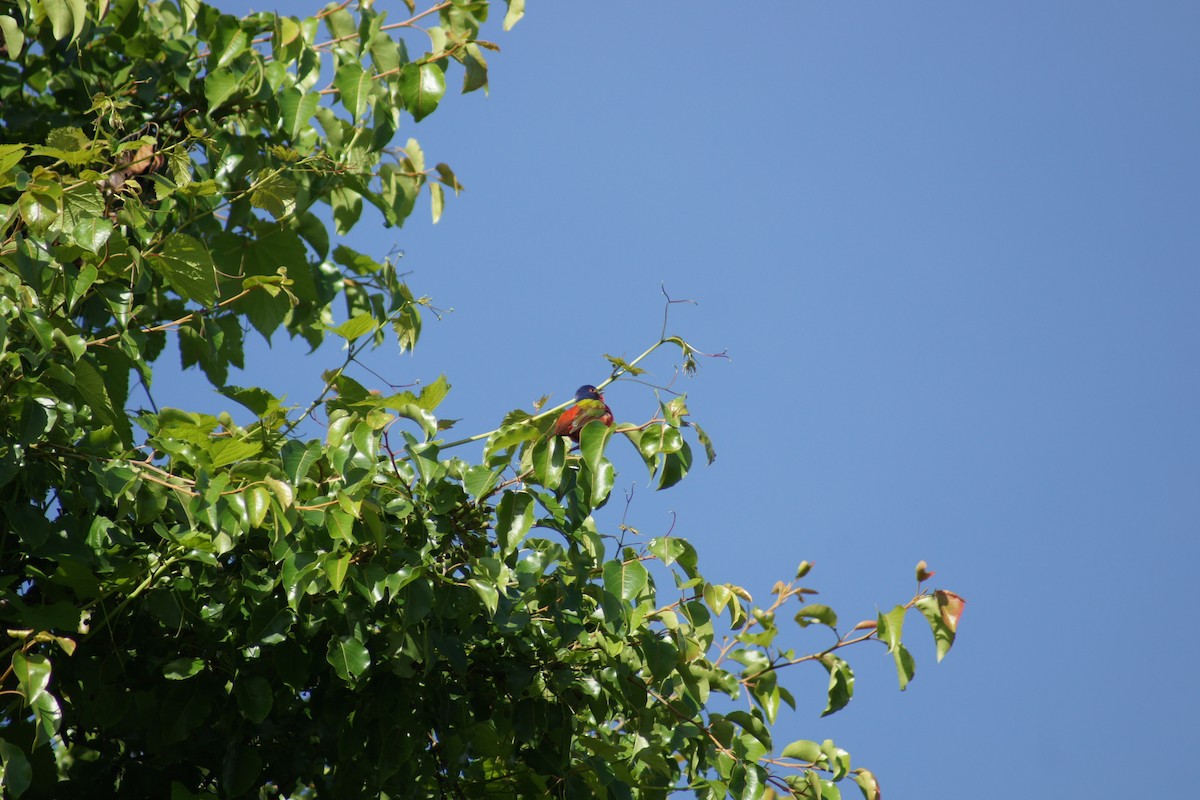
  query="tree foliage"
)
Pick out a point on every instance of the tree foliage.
point(214, 609)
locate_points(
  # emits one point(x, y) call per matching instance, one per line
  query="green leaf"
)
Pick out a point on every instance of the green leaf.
point(815, 612)
point(275, 194)
point(480, 479)
point(867, 783)
point(230, 451)
point(349, 657)
point(889, 629)
point(188, 268)
point(437, 201)
point(514, 518)
point(33, 675)
point(354, 88)
point(487, 592)
point(231, 42)
point(14, 41)
point(336, 570)
point(421, 88)
point(17, 773)
point(475, 75)
point(181, 669)
point(625, 580)
point(803, 750)
point(509, 436)
point(94, 389)
point(67, 17)
point(296, 111)
point(219, 87)
point(254, 698)
point(841, 683)
point(516, 10)
point(549, 458)
point(709, 452)
point(675, 466)
point(942, 610)
point(355, 328)
point(91, 235)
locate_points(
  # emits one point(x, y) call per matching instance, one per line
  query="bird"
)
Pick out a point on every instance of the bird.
point(589, 405)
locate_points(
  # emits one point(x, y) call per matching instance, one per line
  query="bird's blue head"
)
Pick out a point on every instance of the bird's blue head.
point(587, 392)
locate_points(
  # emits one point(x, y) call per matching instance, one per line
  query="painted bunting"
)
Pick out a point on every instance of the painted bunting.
point(589, 405)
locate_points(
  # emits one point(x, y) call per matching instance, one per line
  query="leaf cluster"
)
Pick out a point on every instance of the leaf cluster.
point(215, 609)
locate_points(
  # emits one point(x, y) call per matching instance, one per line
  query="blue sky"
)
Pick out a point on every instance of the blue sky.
point(952, 250)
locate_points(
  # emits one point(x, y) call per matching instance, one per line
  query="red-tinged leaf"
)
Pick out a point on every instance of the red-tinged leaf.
point(942, 610)
point(951, 606)
point(924, 573)
point(867, 783)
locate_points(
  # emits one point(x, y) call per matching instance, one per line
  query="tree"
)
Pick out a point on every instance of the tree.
point(229, 610)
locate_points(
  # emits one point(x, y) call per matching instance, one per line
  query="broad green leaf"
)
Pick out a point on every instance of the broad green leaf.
point(625, 580)
point(841, 683)
point(803, 750)
point(275, 194)
point(354, 88)
point(475, 74)
point(675, 466)
point(230, 43)
point(80, 204)
point(188, 267)
point(817, 613)
point(355, 328)
point(514, 518)
point(229, 451)
point(549, 459)
point(91, 235)
point(480, 479)
point(254, 697)
point(336, 570)
point(17, 773)
point(509, 436)
point(296, 111)
point(487, 592)
point(422, 87)
point(67, 17)
point(39, 209)
point(942, 610)
point(182, 668)
point(218, 87)
point(14, 41)
point(867, 783)
point(340, 525)
point(349, 657)
point(425, 419)
point(592, 440)
point(33, 675)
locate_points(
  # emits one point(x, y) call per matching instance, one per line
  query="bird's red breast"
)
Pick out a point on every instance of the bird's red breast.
point(572, 421)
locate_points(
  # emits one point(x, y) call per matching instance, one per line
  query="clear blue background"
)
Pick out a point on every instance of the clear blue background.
point(952, 249)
